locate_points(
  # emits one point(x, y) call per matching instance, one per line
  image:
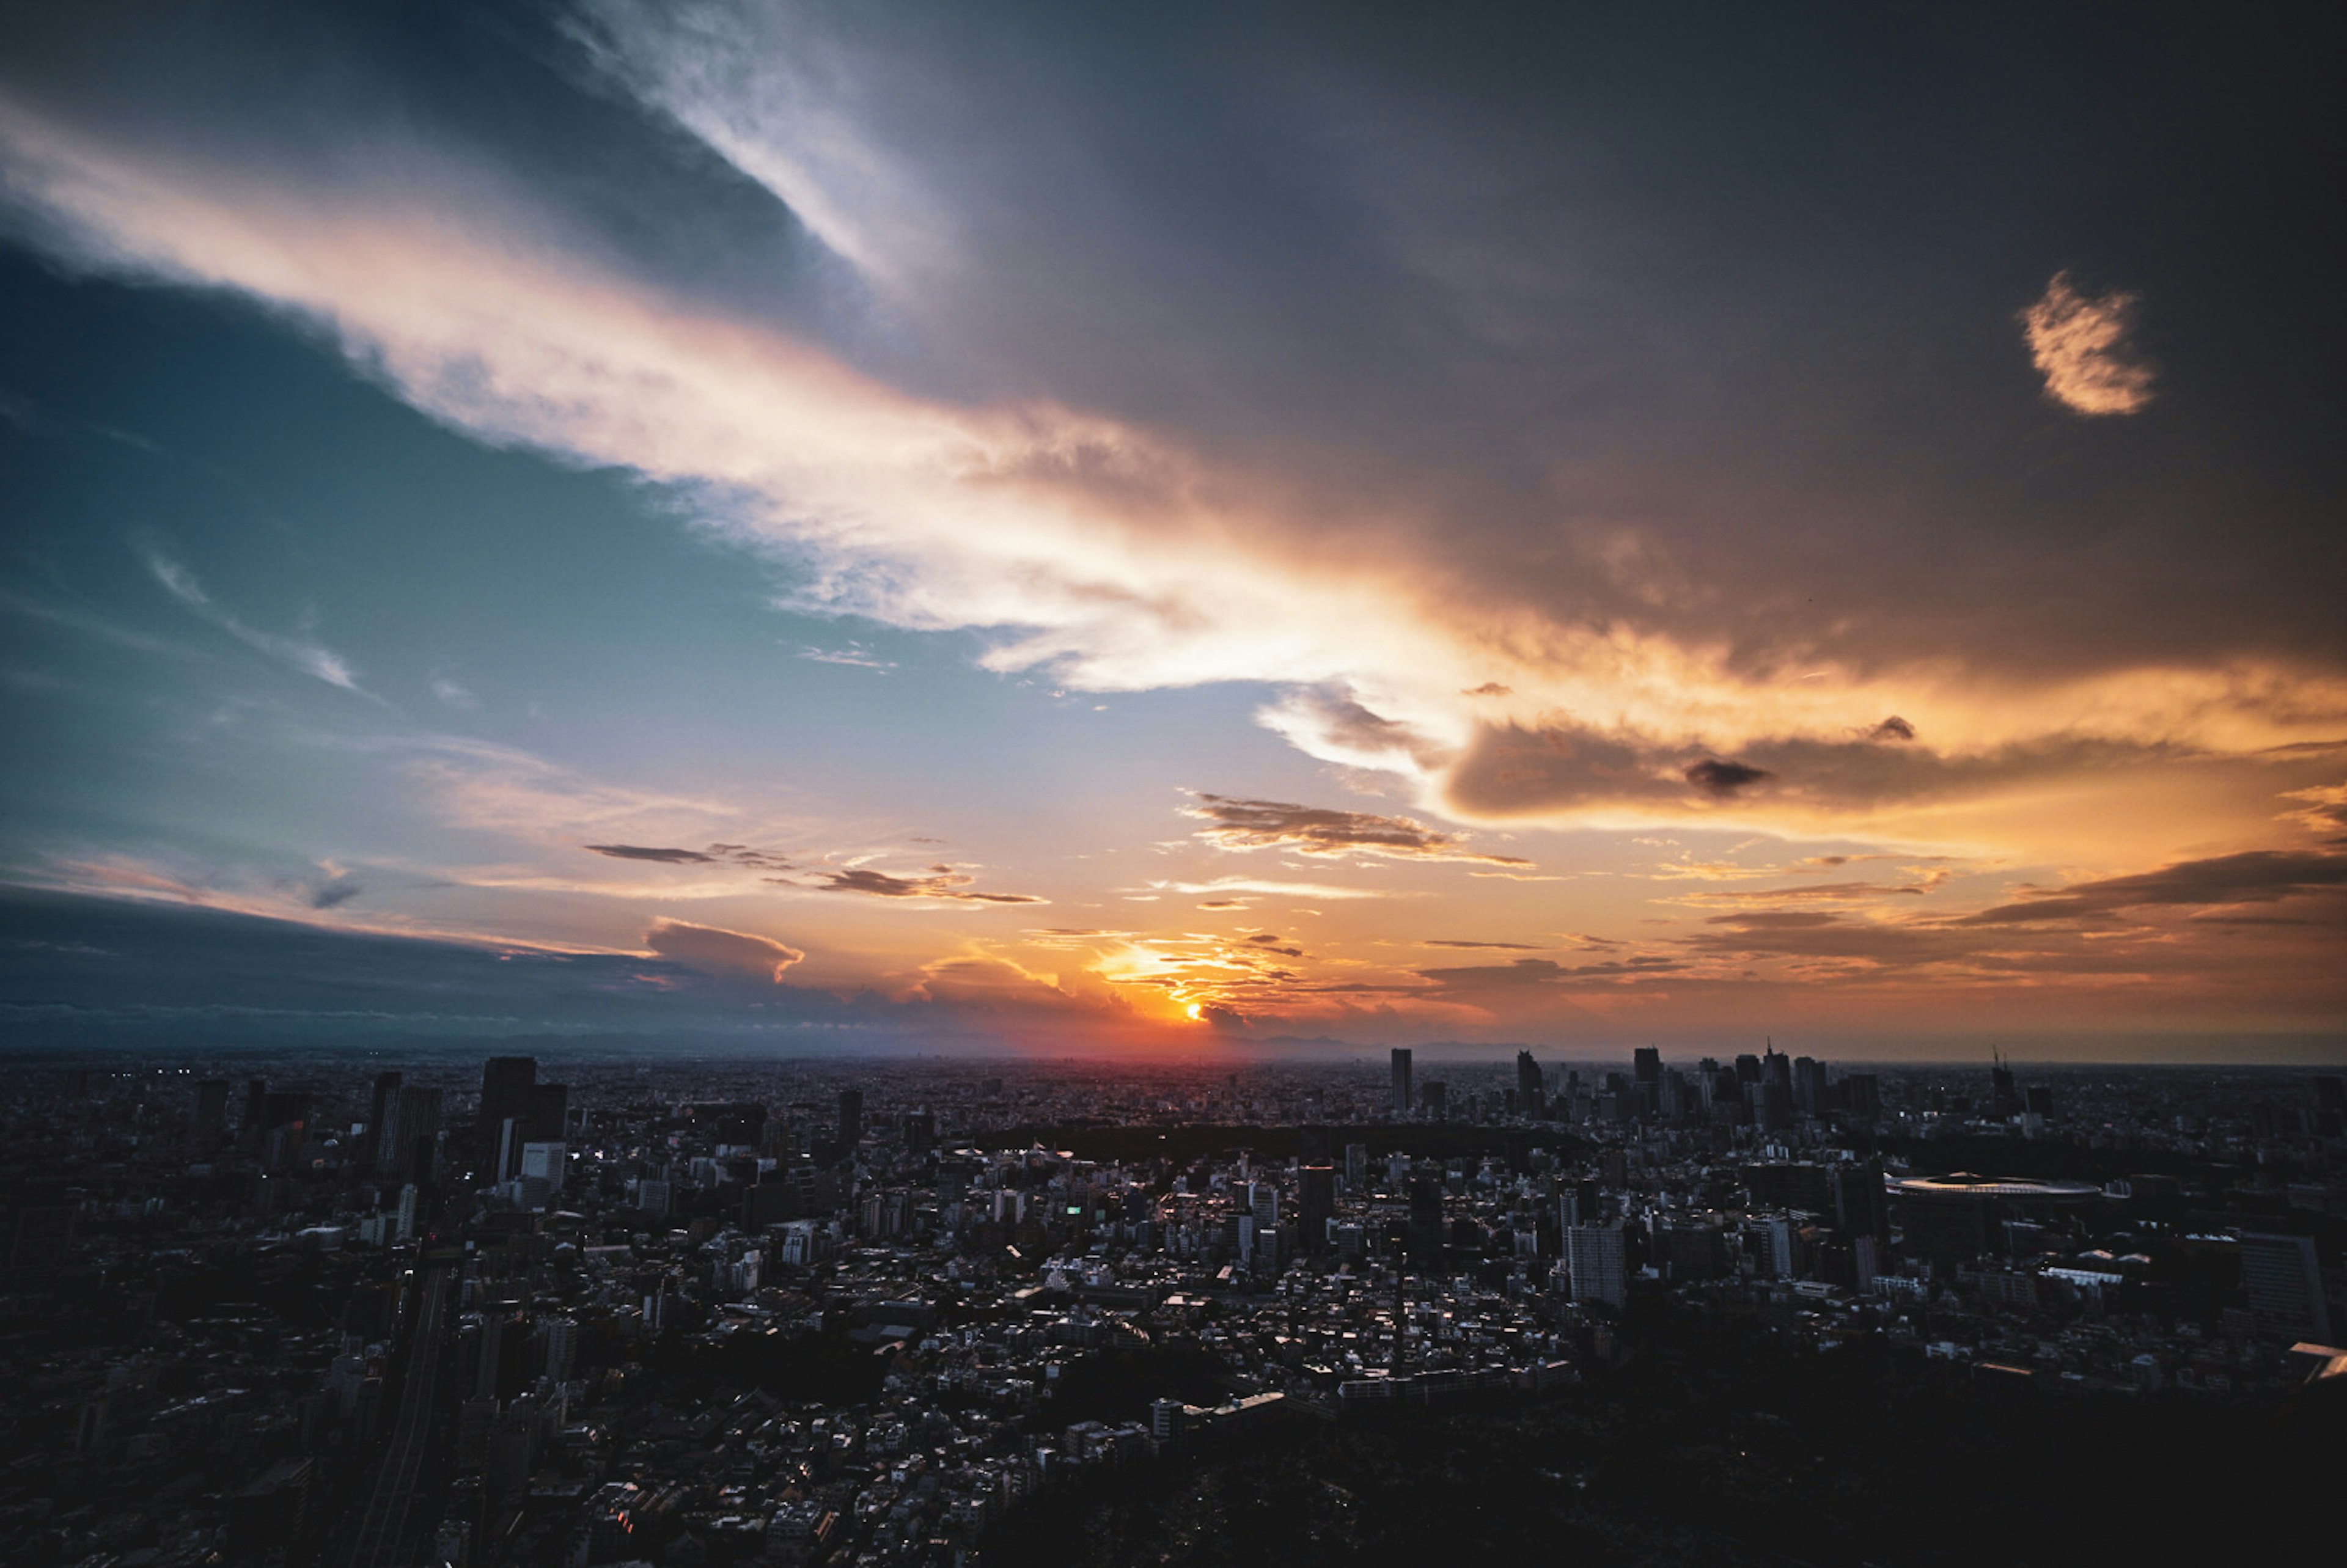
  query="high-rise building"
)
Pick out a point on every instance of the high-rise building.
point(1646, 1064)
point(1356, 1169)
point(2005, 1101)
point(1810, 1094)
point(2283, 1280)
point(1316, 1205)
point(211, 1109)
point(1425, 1240)
point(1530, 1090)
point(1402, 1099)
point(506, 1085)
point(411, 1131)
point(851, 1120)
point(1596, 1263)
point(379, 1104)
point(547, 1162)
point(1435, 1096)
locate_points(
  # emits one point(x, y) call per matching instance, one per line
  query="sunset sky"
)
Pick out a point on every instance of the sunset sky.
point(1155, 528)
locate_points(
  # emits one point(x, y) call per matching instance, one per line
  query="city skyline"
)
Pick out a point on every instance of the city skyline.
point(1051, 532)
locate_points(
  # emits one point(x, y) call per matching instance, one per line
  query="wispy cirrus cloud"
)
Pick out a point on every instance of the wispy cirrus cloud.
point(298, 652)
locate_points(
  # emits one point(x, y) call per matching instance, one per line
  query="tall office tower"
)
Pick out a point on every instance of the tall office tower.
point(256, 1110)
point(1435, 1095)
point(2284, 1282)
point(561, 1346)
point(2004, 1102)
point(1595, 1259)
point(1425, 1240)
point(211, 1109)
point(506, 1085)
point(1647, 1065)
point(2037, 1100)
point(548, 1163)
point(410, 1128)
point(411, 1202)
point(1808, 1086)
point(1861, 1094)
point(850, 1121)
point(1777, 1068)
point(1859, 1205)
point(387, 1090)
point(1264, 1204)
point(1529, 1087)
point(1316, 1205)
point(1356, 1169)
point(1748, 1068)
point(1402, 1101)
point(920, 1132)
point(547, 1118)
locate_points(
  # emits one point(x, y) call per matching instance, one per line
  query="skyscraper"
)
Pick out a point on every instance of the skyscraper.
point(1530, 1087)
point(1594, 1259)
point(386, 1093)
point(2284, 1282)
point(506, 1085)
point(1401, 1095)
point(850, 1121)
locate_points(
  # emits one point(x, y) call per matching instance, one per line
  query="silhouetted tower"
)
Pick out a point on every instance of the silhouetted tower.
point(1530, 1087)
point(1401, 1095)
point(850, 1121)
point(506, 1083)
point(379, 1104)
point(2004, 1098)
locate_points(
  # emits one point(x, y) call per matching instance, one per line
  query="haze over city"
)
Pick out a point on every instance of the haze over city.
point(1042, 528)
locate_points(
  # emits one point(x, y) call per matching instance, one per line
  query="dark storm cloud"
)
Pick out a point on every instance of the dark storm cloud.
point(1235, 823)
point(644, 852)
point(1512, 769)
point(1721, 779)
point(2254, 876)
point(74, 967)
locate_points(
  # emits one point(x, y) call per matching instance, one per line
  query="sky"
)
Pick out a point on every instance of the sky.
point(1158, 530)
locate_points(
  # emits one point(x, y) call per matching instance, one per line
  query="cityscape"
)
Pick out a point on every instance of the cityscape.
point(892, 784)
point(277, 1310)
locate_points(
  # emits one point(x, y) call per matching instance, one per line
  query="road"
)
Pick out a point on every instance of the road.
point(390, 1529)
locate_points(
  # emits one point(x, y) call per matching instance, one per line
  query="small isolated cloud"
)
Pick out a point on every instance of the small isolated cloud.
point(1489, 689)
point(308, 657)
point(651, 852)
point(855, 655)
point(335, 891)
point(1224, 904)
point(1239, 825)
point(1721, 780)
point(712, 947)
point(1511, 946)
point(455, 694)
point(2078, 342)
point(1894, 728)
